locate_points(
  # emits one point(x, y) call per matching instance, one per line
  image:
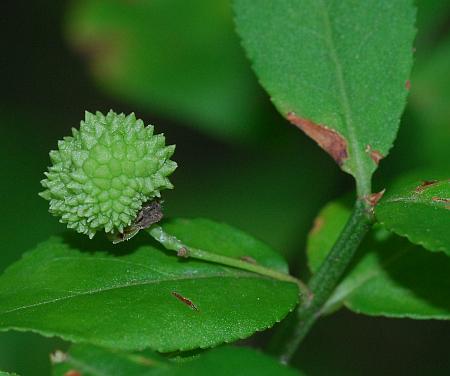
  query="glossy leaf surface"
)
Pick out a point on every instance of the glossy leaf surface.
point(336, 69)
point(390, 276)
point(147, 298)
point(419, 210)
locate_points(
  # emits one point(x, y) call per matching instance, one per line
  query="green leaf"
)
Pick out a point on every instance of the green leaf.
point(186, 64)
point(390, 277)
point(419, 210)
point(94, 361)
point(430, 105)
point(336, 69)
point(73, 289)
point(7, 374)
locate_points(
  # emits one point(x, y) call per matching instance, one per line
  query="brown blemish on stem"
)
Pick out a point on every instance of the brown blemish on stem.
point(373, 198)
point(408, 84)
point(329, 140)
point(425, 184)
point(375, 155)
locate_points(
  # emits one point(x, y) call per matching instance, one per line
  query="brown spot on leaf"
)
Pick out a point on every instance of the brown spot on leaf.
point(443, 200)
point(375, 155)
point(424, 185)
point(373, 198)
point(440, 199)
point(408, 84)
point(73, 372)
point(329, 140)
point(317, 225)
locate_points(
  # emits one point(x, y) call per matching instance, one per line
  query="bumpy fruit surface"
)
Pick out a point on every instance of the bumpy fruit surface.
point(103, 174)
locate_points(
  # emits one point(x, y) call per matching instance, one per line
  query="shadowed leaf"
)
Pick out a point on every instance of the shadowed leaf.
point(141, 299)
point(390, 277)
point(93, 361)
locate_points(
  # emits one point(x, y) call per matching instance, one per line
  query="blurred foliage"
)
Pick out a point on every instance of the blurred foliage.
point(424, 135)
point(179, 63)
point(179, 58)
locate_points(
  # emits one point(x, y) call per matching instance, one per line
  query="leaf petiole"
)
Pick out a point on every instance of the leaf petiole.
point(171, 243)
point(324, 281)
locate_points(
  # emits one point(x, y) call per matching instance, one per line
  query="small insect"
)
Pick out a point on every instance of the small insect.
point(150, 213)
point(185, 300)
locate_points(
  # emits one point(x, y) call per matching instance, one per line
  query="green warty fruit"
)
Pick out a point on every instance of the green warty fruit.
point(103, 174)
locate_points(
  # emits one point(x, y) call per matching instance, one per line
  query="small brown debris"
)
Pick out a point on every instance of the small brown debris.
point(424, 185)
point(150, 213)
point(373, 198)
point(248, 259)
point(408, 84)
point(317, 225)
point(183, 252)
point(329, 140)
point(185, 300)
point(73, 372)
point(374, 154)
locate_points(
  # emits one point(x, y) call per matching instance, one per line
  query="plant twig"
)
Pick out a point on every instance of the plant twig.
point(323, 283)
point(172, 243)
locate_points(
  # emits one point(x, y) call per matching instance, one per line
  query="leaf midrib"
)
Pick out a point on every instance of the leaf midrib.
point(415, 200)
point(344, 103)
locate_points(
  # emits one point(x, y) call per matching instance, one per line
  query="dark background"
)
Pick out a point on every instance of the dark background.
point(179, 66)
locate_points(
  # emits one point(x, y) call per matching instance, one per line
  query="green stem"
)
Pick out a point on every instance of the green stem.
point(172, 243)
point(323, 283)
